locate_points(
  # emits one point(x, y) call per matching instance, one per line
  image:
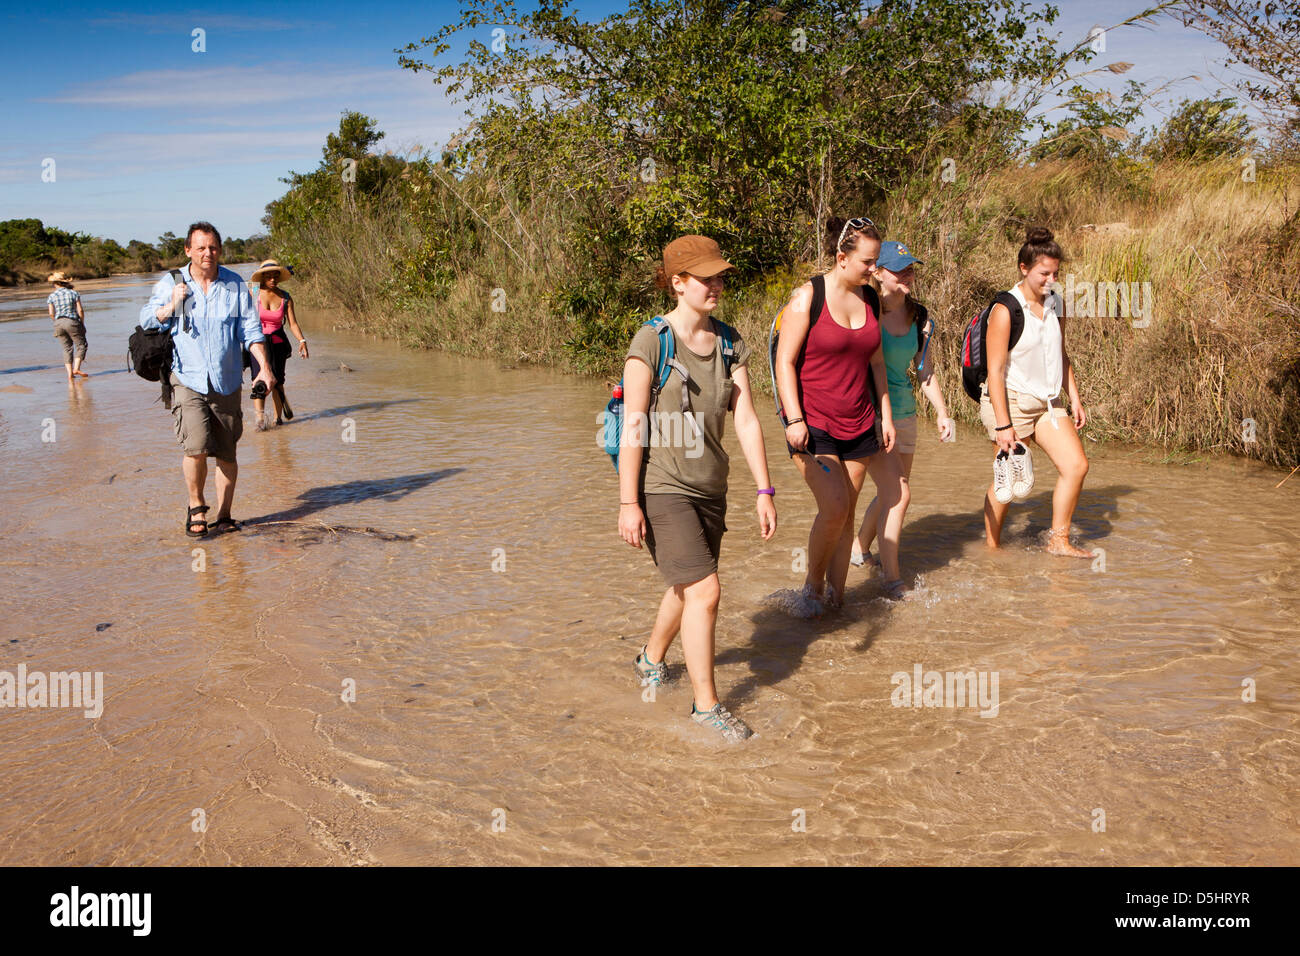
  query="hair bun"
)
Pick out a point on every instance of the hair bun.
point(1038, 235)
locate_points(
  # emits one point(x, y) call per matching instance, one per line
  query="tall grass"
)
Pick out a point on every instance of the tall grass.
point(1222, 257)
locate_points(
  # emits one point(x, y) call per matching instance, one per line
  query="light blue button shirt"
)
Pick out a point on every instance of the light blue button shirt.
point(221, 325)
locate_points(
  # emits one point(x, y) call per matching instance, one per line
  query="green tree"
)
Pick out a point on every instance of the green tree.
point(1263, 36)
point(1202, 130)
point(1097, 129)
point(171, 246)
point(742, 120)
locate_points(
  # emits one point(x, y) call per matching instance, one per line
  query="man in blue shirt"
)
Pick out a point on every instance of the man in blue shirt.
point(212, 319)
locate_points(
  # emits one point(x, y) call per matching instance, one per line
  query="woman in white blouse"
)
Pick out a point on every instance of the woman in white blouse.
point(1021, 401)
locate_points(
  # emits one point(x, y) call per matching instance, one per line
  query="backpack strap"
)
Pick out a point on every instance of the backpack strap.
point(873, 300)
point(178, 278)
point(1017, 314)
point(728, 345)
point(818, 299)
point(667, 361)
point(924, 331)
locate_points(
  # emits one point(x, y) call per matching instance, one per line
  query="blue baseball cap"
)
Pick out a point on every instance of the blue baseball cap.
point(895, 257)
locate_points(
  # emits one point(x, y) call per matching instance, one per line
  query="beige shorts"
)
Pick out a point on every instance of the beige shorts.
point(905, 435)
point(207, 424)
point(1027, 412)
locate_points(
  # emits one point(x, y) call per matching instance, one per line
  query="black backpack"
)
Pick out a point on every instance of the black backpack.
point(150, 351)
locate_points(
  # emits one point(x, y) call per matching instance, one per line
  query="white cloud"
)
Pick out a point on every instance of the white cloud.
point(184, 23)
point(246, 87)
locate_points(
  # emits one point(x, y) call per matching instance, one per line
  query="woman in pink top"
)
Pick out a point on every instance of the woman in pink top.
point(824, 368)
point(276, 309)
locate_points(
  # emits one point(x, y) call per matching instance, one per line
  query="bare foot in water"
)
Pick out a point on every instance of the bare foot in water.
point(82, 374)
point(813, 604)
point(896, 590)
point(1058, 543)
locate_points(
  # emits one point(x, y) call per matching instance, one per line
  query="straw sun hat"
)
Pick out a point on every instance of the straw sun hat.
point(59, 278)
point(270, 267)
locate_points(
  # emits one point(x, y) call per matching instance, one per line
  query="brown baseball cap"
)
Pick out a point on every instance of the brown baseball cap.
point(698, 255)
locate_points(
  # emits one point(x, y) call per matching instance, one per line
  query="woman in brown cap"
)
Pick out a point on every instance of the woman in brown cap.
point(276, 310)
point(677, 500)
point(69, 324)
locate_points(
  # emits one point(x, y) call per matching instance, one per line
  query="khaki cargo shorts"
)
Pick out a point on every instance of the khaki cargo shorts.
point(207, 424)
point(1027, 412)
point(905, 435)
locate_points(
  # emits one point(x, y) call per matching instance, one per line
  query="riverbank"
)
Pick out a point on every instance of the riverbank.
point(417, 652)
point(41, 288)
point(30, 251)
point(28, 275)
point(1183, 285)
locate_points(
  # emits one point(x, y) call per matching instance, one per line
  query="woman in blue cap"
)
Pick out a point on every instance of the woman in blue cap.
point(905, 331)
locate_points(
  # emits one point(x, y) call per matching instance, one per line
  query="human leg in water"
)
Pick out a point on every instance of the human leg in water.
point(826, 477)
point(874, 519)
point(1060, 439)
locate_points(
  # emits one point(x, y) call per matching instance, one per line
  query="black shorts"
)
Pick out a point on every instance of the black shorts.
point(279, 353)
point(846, 449)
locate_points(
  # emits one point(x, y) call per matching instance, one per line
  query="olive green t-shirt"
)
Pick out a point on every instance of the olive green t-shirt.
point(686, 457)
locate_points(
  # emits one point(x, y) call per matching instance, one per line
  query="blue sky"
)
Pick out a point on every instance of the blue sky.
point(148, 135)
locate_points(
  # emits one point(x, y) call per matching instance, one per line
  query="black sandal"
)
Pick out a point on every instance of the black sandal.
point(227, 522)
point(191, 521)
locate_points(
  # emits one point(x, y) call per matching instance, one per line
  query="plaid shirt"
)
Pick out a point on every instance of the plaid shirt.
point(64, 301)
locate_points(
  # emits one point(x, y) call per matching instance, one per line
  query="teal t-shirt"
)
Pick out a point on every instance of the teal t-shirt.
point(899, 350)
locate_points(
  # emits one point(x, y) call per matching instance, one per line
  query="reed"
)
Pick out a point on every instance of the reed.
point(1217, 367)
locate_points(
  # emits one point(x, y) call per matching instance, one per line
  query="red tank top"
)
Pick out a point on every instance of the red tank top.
point(834, 388)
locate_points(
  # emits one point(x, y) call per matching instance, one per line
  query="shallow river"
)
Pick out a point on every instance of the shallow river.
point(435, 539)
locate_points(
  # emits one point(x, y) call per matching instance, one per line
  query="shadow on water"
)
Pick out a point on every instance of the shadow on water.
point(779, 642)
point(360, 406)
point(326, 496)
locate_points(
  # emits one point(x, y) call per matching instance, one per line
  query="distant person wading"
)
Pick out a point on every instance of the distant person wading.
point(69, 319)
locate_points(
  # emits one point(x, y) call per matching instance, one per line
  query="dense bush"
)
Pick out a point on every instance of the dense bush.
point(533, 236)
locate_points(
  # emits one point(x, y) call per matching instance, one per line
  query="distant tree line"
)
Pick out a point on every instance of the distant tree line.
point(30, 250)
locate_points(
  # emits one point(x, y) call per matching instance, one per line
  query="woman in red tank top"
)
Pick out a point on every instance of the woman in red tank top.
point(824, 369)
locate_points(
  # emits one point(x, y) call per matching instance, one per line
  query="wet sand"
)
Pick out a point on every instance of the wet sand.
point(459, 563)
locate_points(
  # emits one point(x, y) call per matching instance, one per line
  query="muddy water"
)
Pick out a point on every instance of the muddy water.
point(457, 563)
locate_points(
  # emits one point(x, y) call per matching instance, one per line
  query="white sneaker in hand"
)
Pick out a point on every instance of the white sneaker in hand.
point(1022, 472)
point(1002, 477)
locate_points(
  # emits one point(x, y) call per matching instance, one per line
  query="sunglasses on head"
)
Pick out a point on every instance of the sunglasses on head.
point(859, 223)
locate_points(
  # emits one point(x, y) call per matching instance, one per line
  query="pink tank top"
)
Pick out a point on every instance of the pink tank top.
point(834, 387)
point(273, 322)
